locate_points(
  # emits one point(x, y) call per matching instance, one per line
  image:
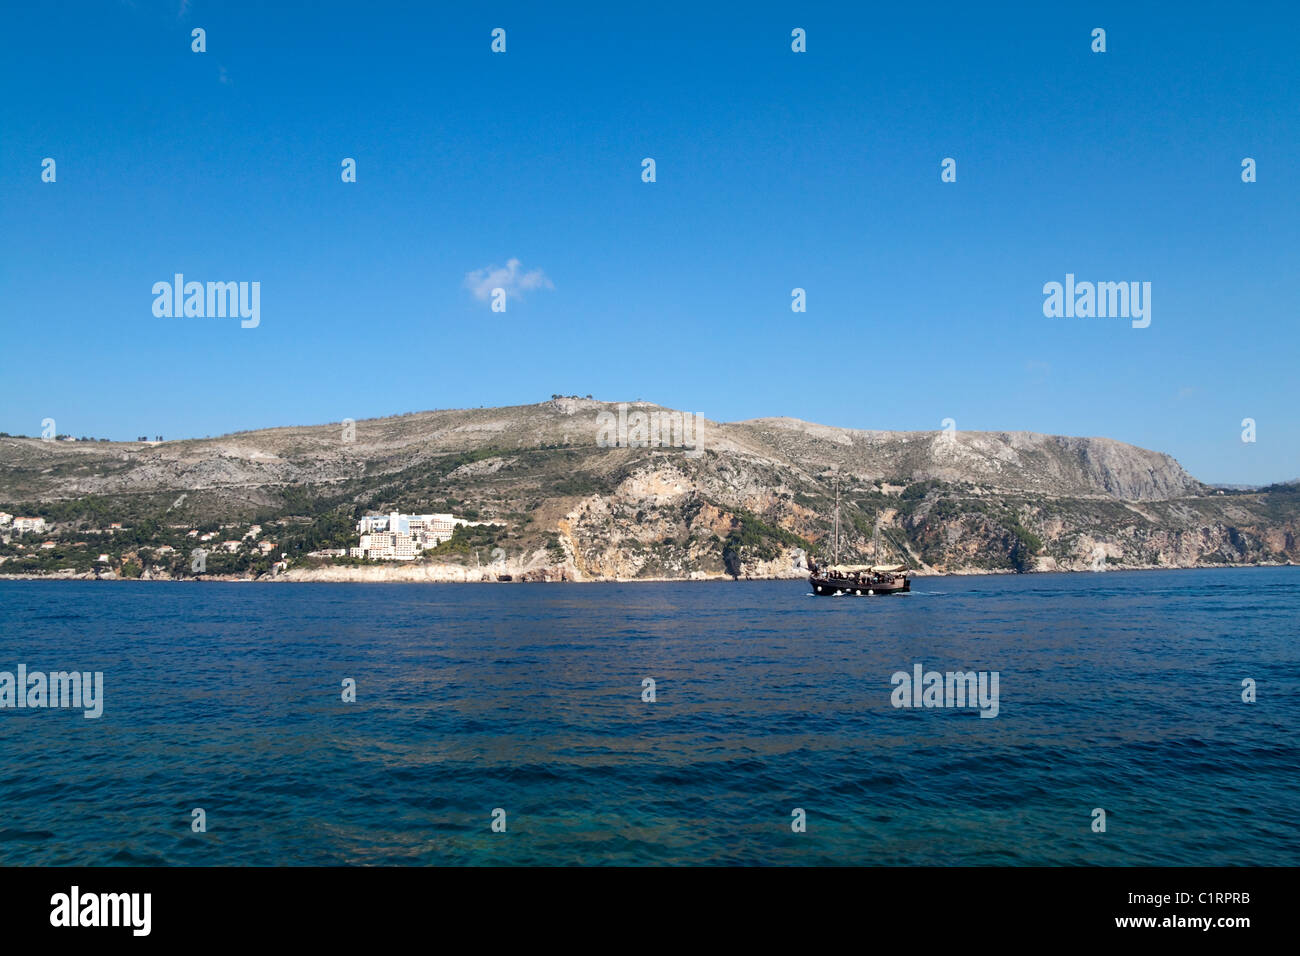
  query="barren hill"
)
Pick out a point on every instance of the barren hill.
point(746, 497)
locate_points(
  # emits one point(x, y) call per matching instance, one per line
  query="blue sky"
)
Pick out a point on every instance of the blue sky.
point(775, 170)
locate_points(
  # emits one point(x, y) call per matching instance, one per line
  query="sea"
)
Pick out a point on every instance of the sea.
point(1142, 718)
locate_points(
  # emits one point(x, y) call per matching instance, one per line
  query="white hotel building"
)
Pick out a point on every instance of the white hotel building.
point(399, 537)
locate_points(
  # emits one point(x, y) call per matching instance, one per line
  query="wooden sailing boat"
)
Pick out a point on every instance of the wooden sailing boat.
point(857, 579)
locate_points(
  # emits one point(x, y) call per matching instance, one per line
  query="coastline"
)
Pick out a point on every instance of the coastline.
point(451, 574)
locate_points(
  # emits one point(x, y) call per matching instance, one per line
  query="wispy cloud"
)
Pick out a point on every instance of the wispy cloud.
point(510, 277)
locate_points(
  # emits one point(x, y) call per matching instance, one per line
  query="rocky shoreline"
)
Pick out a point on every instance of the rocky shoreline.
point(454, 574)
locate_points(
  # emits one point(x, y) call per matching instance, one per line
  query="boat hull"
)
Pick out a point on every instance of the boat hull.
point(829, 586)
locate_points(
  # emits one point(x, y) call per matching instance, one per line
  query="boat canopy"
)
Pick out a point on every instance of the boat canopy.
point(866, 568)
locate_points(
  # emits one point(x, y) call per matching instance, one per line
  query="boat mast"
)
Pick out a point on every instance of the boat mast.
point(837, 518)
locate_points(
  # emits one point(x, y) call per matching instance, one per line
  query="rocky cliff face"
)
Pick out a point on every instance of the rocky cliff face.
point(1006, 461)
point(750, 498)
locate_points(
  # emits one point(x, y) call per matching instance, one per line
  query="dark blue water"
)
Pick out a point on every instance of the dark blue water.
point(1117, 690)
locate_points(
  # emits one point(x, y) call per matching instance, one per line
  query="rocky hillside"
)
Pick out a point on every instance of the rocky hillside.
point(742, 498)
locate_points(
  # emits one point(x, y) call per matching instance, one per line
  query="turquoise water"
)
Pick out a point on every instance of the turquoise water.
point(1119, 690)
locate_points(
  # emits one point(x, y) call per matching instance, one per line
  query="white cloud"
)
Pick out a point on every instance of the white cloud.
point(510, 277)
